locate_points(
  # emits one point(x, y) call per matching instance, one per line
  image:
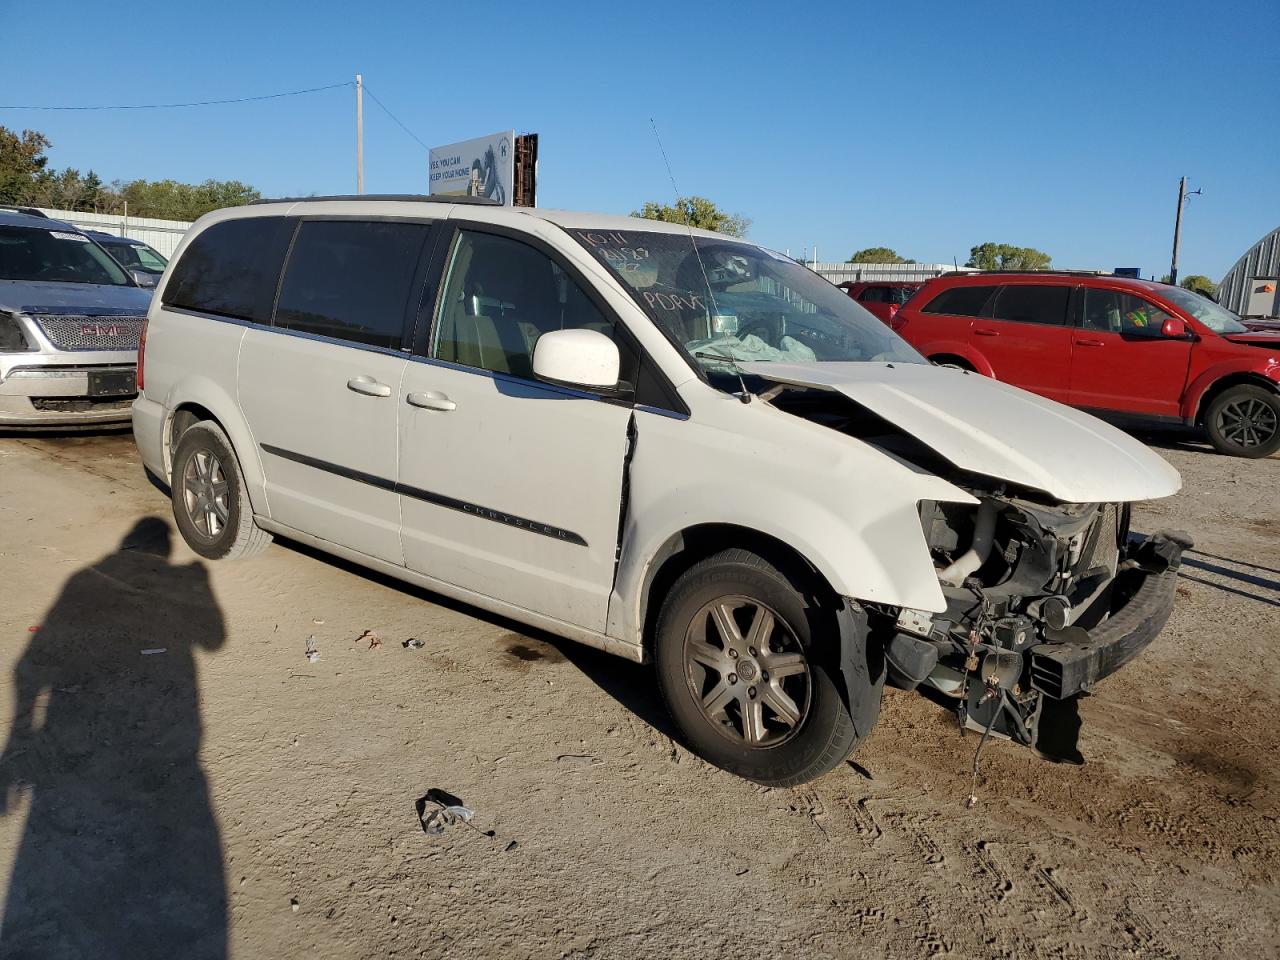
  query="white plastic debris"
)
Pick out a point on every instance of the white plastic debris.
point(435, 820)
point(313, 653)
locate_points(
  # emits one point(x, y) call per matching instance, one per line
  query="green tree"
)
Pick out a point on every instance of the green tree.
point(696, 212)
point(21, 161)
point(1198, 283)
point(1005, 256)
point(171, 200)
point(877, 255)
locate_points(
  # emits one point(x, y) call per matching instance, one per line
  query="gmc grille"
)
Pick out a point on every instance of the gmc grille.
point(92, 333)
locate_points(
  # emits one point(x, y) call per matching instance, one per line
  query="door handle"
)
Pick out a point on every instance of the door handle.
point(987, 333)
point(368, 386)
point(431, 400)
point(1089, 342)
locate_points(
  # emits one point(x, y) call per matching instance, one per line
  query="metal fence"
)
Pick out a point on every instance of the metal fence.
point(163, 235)
point(860, 272)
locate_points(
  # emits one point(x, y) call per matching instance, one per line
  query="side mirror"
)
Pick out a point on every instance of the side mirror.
point(1174, 329)
point(144, 279)
point(577, 358)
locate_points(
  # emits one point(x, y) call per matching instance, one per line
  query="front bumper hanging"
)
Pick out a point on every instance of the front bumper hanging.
point(1083, 657)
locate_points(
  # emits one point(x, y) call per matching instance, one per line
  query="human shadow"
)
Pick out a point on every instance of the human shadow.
point(120, 855)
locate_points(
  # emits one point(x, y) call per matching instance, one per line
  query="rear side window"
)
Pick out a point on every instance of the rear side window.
point(960, 301)
point(351, 280)
point(231, 269)
point(874, 295)
point(1032, 304)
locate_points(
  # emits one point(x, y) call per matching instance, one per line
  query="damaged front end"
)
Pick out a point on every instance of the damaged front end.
point(1043, 600)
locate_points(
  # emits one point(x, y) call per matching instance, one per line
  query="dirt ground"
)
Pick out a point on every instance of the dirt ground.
point(228, 797)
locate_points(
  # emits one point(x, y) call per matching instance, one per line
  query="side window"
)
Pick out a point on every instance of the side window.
point(1032, 304)
point(500, 296)
point(874, 295)
point(1115, 312)
point(351, 279)
point(125, 254)
point(900, 295)
point(960, 301)
point(231, 269)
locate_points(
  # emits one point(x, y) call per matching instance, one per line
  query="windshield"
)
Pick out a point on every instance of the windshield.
point(1217, 318)
point(56, 256)
point(726, 301)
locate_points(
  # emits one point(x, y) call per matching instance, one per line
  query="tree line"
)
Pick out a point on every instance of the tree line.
point(27, 179)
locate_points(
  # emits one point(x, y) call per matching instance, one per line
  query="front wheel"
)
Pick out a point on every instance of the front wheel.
point(1244, 421)
point(747, 665)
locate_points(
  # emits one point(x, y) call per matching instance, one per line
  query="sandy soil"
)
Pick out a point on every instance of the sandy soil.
point(226, 796)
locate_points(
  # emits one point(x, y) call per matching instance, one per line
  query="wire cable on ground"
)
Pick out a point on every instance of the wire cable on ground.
point(198, 103)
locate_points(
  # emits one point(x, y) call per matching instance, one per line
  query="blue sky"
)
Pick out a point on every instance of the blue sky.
point(927, 127)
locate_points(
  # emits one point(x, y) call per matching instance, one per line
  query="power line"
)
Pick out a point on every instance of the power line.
point(395, 118)
point(198, 103)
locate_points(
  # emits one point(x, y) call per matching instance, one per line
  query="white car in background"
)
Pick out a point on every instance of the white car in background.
point(662, 442)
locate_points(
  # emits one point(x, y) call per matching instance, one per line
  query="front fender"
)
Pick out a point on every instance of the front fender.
point(1192, 399)
point(849, 510)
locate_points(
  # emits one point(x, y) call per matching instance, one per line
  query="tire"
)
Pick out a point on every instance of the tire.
point(1244, 421)
point(747, 734)
point(205, 472)
point(956, 363)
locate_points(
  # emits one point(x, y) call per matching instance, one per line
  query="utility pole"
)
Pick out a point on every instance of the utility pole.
point(1183, 197)
point(360, 139)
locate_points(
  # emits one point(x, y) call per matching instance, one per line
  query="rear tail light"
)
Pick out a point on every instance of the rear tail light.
point(142, 352)
point(896, 321)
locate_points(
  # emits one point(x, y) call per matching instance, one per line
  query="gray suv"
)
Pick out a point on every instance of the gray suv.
point(70, 321)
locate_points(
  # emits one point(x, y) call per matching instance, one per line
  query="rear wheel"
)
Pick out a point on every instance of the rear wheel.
point(746, 663)
point(1244, 421)
point(209, 504)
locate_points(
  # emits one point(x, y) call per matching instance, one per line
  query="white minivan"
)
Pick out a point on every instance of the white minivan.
point(667, 443)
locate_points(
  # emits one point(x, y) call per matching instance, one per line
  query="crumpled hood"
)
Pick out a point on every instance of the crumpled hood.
point(988, 427)
point(1256, 338)
point(91, 299)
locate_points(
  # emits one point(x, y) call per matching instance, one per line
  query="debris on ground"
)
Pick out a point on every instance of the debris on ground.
point(313, 652)
point(150, 650)
point(414, 643)
point(293, 904)
point(34, 628)
point(439, 809)
point(317, 620)
point(375, 641)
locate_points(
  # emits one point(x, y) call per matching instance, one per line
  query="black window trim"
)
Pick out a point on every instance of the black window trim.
point(442, 256)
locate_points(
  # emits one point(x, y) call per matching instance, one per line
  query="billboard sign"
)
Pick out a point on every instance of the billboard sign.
point(483, 167)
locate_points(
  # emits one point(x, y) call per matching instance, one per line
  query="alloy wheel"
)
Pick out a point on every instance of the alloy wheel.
point(206, 494)
point(747, 671)
point(1248, 422)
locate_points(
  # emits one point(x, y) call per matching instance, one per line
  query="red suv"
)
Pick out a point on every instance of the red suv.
point(1127, 349)
point(882, 298)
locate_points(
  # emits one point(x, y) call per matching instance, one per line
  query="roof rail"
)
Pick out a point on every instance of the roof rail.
point(411, 197)
point(1051, 272)
point(29, 211)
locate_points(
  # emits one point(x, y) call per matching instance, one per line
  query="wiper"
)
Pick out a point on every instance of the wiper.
point(745, 395)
